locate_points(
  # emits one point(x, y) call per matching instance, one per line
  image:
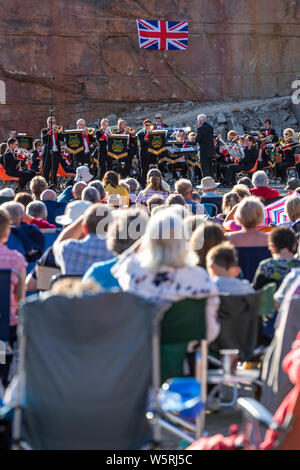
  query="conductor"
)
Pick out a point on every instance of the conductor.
point(205, 141)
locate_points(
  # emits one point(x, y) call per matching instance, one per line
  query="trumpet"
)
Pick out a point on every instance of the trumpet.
point(58, 129)
point(91, 130)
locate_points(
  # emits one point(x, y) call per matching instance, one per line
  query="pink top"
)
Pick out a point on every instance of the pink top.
point(12, 259)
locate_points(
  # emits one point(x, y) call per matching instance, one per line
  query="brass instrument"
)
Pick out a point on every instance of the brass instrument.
point(58, 129)
point(91, 130)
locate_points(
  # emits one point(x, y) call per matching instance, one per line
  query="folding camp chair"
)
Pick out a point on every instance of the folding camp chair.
point(212, 209)
point(182, 323)
point(85, 372)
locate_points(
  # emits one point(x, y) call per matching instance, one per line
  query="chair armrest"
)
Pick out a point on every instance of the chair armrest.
point(254, 410)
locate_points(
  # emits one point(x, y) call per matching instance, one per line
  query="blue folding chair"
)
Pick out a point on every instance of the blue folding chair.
point(211, 209)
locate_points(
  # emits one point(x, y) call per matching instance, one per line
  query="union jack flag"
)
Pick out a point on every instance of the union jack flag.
point(163, 35)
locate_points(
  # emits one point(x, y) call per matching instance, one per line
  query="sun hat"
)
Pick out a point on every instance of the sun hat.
point(83, 174)
point(208, 183)
point(73, 210)
point(115, 200)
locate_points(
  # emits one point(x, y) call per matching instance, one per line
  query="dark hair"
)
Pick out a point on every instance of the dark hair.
point(175, 199)
point(23, 198)
point(112, 178)
point(223, 255)
point(155, 200)
point(268, 120)
point(283, 237)
point(251, 139)
point(246, 181)
point(11, 141)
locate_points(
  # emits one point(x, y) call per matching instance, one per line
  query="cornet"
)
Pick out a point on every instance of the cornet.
point(91, 130)
point(58, 129)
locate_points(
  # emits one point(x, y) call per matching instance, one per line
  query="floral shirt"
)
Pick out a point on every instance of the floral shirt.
point(170, 284)
point(273, 270)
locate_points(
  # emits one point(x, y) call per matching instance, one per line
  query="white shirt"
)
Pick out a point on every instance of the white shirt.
point(86, 144)
point(54, 146)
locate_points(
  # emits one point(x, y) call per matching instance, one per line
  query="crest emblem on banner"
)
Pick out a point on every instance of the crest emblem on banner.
point(74, 141)
point(117, 146)
point(156, 142)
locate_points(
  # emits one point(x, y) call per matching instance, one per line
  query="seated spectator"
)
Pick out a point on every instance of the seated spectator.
point(120, 236)
point(133, 187)
point(54, 207)
point(241, 190)
point(23, 198)
point(175, 199)
point(292, 210)
point(7, 193)
point(261, 182)
point(111, 186)
point(195, 196)
point(154, 201)
point(153, 187)
point(223, 268)
point(125, 185)
point(48, 195)
point(230, 200)
point(208, 187)
point(160, 269)
point(249, 215)
point(27, 237)
point(185, 188)
point(282, 244)
point(100, 188)
point(205, 237)
point(115, 201)
point(245, 181)
point(38, 184)
point(90, 194)
point(83, 176)
point(292, 185)
point(84, 241)
point(36, 212)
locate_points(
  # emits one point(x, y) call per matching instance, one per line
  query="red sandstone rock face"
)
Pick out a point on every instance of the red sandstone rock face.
point(237, 48)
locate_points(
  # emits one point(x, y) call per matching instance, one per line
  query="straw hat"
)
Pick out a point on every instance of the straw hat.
point(208, 183)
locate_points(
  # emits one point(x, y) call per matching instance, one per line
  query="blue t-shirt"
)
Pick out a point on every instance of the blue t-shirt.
point(100, 272)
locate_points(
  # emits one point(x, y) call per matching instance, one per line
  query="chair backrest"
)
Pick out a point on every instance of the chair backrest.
point(183, 322)
point(212, 209)
point(5, 276)
point(54, 209)
point(50, 238)
point(239, 324)
point(5, 199)
point(87, 363)
point(266, 307)
point(270, 200)
point(250, 257)
point(217, 201)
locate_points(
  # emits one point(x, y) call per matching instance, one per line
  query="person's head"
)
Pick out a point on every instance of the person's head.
point(7, 192)
point(38, 144)
point(97, 219)
point(206, 236)
point(83, 174)
point(38, 184)
point(250, 213)
point(292, 207)
point(297, 191)
point(260, 179)
point(261, 135)
point(158, 118)
point(250, 141)
point(51, 122)
point(78, 188)
point(3, 148)
point(208, 185)
point(241, 190)
point(154, 201)
point(133, 185)
point(174, 199)
point(222, 261)
point(12, 143)
point(90, 194)
point(164, 244)
point(80, 124)
point(154, 180)
point(232, 134)
point(4, 225)
point(13, 133)
point(147, 124)
point(23, 198)
point(267, 123)
point(201, 118)
point(192, 136)
point(115, 201)
point(15, 211)
point(288, 134)
point(245, 181)
point(230, 200)
point(185, 188)
point(37, 209)
point(122, 124)
point(181, 135)
point(104, 124)
point(48, 195)
point(125, 229)
point(73, 211)
point(111, 178)
point(196, 197)
point(100, 188)
point(282, 238)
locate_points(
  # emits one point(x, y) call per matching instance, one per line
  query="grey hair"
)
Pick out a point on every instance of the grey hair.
point(48, 195)
point(7, 192)
point(133, 184)
point(260, 179)
point(201, 117)
point(90, 194)
point(100, 188)
point(37, 209)
point(15, 210)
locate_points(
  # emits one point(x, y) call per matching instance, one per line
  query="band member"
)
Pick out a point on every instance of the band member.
point(247, 162)
point(288, 155)
point(181, 163)
point(228, 154)
point(65, 159)
point(37, 155)
point(3, 148)
point(146, 158)
point(132, 148)
point(101, 139)
point(262, 154)
point(12, 164)
point(268, 131)
point(51, 149)
point(205, 141)
point(84, 157)
point(158, 124)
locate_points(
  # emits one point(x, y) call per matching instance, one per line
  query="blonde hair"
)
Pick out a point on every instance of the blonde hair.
point(231, 133)
point(290, 131)
point(230, 200)
point(154, 181)
point(250, 212)
point(103, 121)
point(292, 207)
point(120, 121)
point(38, 184)
point(241, 190)
point(74, 287)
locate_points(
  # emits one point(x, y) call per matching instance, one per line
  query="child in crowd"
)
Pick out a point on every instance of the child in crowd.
point(223, 267)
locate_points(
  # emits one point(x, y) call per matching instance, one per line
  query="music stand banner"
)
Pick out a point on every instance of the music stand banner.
point(25, 141)
point(74, 141)
point(117, 146)
point(157, 142)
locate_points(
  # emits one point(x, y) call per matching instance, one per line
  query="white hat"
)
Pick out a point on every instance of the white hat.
point(73, 210)
point(83, 174)
point(165, 185)
point(115, 200)
point(208, 183)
